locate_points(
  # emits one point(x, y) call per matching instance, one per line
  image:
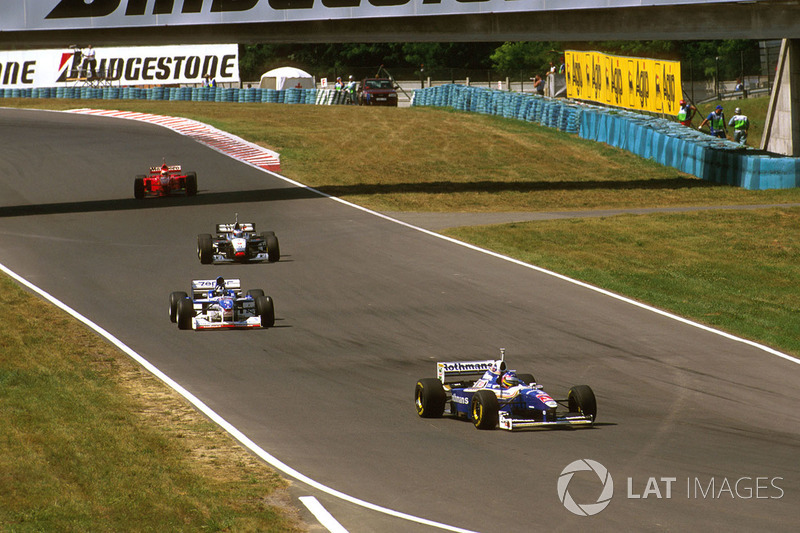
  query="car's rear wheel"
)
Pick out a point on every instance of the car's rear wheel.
point(191, 183)
point(185, 313)
point(485, 410)
point(265, 308)
point(528, 379)
point(429, 398)
point(273, 248)
point(174, 298)
point(581, 400)
point(255, 293)
point(205, 248)
point(138, 187)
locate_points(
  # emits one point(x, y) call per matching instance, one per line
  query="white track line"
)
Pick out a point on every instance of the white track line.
point(323, 516)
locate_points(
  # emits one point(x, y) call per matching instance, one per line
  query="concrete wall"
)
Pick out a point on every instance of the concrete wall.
point(782, 131)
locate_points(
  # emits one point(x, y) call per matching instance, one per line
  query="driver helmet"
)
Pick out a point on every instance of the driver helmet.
point(220, 286)
point(738, 110)
point(683, 102)
point(509, 380)
point(237, 230)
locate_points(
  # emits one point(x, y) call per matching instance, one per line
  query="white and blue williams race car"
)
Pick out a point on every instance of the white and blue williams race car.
point(219, 304)
point(238, 243)
point(491, 395)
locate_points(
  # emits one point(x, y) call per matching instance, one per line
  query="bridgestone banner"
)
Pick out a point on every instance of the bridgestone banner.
point(630, 82)
point(135, 65)
point(21, 15)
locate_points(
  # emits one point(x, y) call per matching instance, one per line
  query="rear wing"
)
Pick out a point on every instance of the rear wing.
point(171, 168)
point(200, 287)
point(462, 371)
point(244, 226)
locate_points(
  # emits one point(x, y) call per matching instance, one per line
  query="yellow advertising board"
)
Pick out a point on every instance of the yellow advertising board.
point(630, 82)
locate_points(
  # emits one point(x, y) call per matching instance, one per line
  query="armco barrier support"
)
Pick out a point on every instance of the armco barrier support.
point(662, 140)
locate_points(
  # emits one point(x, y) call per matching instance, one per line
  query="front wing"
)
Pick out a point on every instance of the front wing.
point(200, 322)
point(506, 421)
point(221, 258)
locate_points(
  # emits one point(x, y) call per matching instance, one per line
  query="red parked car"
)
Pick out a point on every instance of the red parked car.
point(165, 180)
point(377, 91)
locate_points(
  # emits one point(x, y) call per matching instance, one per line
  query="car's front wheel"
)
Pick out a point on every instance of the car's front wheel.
point(581, 400)
point(273, 248)
point(191, 184)
point(138, 187)
point(185, 313)
point(265, 308)
point(205, 248)
point(485, 410)
point(174, 298)
point(429, 398)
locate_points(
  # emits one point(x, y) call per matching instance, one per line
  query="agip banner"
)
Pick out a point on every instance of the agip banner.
point(134, 65)
point(630, 82)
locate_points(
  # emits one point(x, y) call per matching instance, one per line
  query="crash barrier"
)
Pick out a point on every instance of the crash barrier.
point(664, 141)
point(193, 94)
point(523, 106)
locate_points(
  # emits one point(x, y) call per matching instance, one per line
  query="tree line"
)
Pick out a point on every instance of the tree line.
point(722, 59)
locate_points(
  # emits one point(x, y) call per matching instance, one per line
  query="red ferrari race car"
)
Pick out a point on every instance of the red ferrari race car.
point(165, 180)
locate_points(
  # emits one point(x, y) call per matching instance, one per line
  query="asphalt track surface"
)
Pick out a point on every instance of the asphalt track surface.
point(365, 307)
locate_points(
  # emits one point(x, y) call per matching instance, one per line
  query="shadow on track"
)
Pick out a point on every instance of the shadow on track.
point(234, 197)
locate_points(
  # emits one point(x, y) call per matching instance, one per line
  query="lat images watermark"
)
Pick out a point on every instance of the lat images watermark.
point(664, 487)
point(586, 509)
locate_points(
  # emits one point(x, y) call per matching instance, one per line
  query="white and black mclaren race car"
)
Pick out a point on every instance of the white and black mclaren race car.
point(219, 304)
point(238, 243)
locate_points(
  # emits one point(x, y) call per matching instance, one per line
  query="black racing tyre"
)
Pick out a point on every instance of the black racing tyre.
point(185, 313)
point(527, 379)
point(255, 293)
point(429, 398)
point(273, 248)
point(205, 249)
point(265, 308)
point(191, 183)
point(138, 187)
point(174, 298)
point(581, 400)
point(484, 410)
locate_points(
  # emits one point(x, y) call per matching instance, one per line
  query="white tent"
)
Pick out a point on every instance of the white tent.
point(286, 78)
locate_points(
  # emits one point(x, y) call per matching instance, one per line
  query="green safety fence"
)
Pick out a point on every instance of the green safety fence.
point(662, 140)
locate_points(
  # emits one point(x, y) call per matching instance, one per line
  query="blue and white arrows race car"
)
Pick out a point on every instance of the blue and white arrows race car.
point(491, 395)
point(218, 304)
point(237, 243)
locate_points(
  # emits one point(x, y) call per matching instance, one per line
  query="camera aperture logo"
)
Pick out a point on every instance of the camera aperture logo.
point(586, 509)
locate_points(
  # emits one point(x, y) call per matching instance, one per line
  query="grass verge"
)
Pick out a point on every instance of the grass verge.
point(734, 270)
point(91, 442)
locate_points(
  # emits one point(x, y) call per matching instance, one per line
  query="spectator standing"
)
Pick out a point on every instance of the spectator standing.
point(716, 123)
point(90, 62)
point(339, 85)
point(350, 89)
point(686, 113)
point(740, 124)
point(538, 85)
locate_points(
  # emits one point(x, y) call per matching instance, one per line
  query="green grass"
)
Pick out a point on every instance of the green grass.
point(89, 442)
point(734, 270)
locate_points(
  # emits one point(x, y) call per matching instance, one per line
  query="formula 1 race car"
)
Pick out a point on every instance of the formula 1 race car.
point(237, 242)
point(165, 180)
point(218, 303)
point(489, 394)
